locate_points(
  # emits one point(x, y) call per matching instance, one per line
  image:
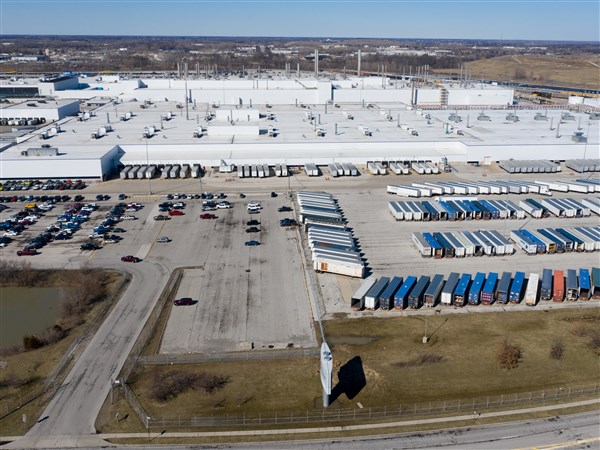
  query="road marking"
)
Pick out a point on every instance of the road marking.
point(91, 255)
point(562, 444)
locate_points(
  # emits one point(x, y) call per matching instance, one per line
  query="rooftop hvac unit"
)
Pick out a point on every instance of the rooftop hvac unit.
point(512, 117)
point(578, 137)
point(453, 117)
point(540, 116)
point(567, 116)
point(484, 118)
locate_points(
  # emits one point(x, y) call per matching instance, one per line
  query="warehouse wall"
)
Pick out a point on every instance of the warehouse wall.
point(480, 96)
point(51, 167)
point(524, 151)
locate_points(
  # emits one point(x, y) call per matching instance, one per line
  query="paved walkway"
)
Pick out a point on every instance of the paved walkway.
point(98, 440)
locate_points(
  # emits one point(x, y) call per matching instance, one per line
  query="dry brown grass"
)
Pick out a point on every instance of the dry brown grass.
point(581, 71)
point(463, 365)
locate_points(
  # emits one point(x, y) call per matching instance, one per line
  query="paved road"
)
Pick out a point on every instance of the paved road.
point(578, 431)
point(74, 408)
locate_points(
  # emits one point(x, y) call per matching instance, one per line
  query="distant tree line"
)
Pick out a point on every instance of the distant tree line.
point(94, 54)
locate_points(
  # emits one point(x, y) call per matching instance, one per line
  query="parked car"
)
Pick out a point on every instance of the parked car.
point(89, 246)
point(186, 301)
point(253, 205)
point(176, 212)
point(27, 252)
point(130, 258)
point(163, 240)
point(223, 206)
point(287, 222)
point(161, 217)
point(284, 209)
point(208, 216)
point(252, 230)
point(122, 196)
point(251, 243)
point(273, 194)
point(127, 217)
point(119, 230)
point(252, 222)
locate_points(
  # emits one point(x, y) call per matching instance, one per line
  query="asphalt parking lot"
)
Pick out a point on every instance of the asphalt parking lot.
point(247, 296)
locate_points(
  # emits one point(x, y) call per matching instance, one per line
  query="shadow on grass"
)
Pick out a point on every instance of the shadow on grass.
point(351, 378)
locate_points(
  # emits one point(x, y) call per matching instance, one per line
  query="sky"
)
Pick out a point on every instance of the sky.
point(571, 20)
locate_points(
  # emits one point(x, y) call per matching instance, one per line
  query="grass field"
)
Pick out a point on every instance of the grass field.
point(384, 362)
point(581, 71)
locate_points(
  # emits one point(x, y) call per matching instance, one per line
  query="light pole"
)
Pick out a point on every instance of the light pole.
point(148, 173)
point(587, 138)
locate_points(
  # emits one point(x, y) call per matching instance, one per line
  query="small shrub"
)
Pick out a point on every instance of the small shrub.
point(210, 383)
point(419, 360)
point(594, 342)
point(160, 390)
point(31, 342)
point(557, 349)
point(508, 355)
point(580, 331)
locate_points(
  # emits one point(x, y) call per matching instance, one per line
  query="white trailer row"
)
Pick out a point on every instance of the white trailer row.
point(529, 166)
point(583, 165)
point(455, 209)
point(376, 168)
point(143, 171)
point(462, 243)
point(318, 207)
point(399, 168)
point(557, 240)
point(404, 190)
point(510, 187)
point(334, 251)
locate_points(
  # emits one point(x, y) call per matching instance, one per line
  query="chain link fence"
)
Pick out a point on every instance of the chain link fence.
point(440, 408)
point(254, 355)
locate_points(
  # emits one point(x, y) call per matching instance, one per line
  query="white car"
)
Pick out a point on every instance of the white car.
point(163, 240)
point(253, 205)
point(128, 217)
point(10, 233)
point(223, 206)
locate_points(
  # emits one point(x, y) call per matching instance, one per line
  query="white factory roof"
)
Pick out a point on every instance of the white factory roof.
point(296, 140)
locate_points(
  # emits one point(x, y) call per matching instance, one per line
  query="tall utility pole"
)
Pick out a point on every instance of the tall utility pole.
point(187, 109)
point(147, 166)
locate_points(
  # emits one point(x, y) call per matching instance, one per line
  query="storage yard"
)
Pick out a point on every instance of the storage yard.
point(390, 247)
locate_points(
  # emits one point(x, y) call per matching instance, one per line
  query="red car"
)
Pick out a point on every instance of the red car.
point(27, 252)
point(130, 258)
point(184, 302)
point(176, 212)
point(208, 216)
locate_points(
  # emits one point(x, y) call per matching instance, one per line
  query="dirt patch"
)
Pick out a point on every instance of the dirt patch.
point(573, 70)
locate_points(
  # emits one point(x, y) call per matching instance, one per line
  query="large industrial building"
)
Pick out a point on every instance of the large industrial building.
point(92, 127)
